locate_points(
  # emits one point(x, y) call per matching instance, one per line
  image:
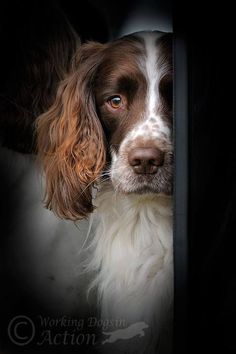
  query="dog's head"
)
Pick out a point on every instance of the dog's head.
point(112, 117)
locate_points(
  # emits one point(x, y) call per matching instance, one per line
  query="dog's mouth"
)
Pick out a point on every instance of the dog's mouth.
point(159, 183)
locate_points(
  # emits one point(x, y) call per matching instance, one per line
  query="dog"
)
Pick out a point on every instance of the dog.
point(107, 153)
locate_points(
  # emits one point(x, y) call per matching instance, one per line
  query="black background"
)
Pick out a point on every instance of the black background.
point(212, 161)
point(208, 31)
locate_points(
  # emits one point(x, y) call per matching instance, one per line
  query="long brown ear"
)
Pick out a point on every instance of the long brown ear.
point(70, 139)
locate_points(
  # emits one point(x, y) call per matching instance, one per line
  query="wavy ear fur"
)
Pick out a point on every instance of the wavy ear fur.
point(70, 139)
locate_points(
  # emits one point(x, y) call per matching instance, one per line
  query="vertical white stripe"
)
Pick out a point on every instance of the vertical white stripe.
point(153, 75)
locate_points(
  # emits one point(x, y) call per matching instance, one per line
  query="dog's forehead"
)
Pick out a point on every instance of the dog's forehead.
point(140, 47)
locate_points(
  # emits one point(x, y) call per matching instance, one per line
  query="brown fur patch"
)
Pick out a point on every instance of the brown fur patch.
point(120, 74)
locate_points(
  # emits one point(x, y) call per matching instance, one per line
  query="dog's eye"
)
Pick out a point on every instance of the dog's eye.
point(115, 101)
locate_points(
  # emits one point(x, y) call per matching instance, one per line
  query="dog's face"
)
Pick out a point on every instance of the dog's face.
point(112, 116)
point(133, 93)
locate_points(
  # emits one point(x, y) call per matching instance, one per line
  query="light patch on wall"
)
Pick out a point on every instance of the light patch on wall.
point(147, 18)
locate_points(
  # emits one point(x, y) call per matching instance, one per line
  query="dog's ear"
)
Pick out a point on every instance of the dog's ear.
point(70, 139)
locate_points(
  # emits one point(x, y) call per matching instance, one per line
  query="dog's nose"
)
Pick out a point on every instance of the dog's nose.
point(145, 160)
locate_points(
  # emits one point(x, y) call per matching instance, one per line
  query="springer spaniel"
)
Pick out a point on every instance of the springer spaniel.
point(110, 127)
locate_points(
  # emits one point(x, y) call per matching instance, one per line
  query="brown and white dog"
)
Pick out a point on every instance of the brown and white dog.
point(111, 127)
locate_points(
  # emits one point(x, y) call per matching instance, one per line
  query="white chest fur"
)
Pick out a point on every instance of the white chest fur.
point(133, 257)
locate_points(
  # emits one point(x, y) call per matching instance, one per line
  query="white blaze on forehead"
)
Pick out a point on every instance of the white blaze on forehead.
point(153, 74)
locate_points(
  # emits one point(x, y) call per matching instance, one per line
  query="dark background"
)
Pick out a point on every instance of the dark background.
point(208, 31)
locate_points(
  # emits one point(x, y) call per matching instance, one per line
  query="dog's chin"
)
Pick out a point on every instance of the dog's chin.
point(144, 185)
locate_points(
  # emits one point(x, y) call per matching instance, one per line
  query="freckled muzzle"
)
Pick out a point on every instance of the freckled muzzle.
point(143, 167)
